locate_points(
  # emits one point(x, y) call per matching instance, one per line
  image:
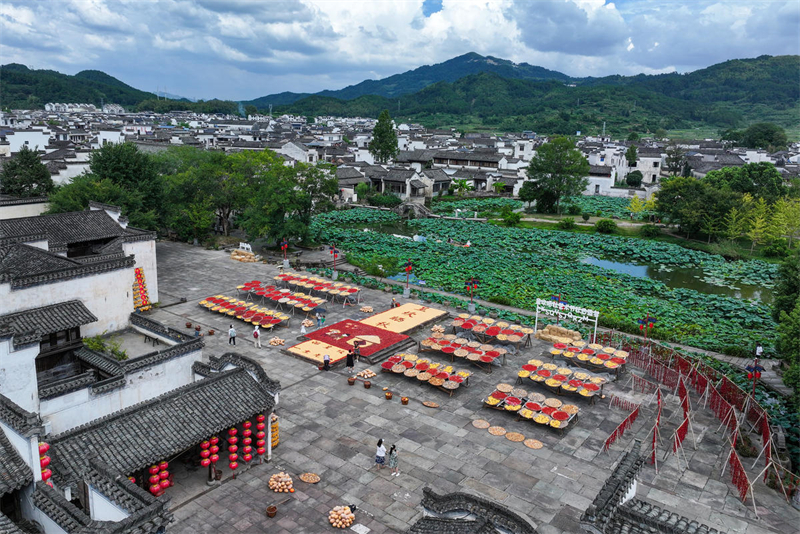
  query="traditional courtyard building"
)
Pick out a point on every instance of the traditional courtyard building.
point(81, 426)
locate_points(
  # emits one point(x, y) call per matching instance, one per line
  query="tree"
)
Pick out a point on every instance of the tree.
point(788, 340)
point(510, 217)
point(126, 166)
point(461, 186)
point(499, 187)
point(631, 155)
point(675, 159)
point(559, 170)
point(710, 227)
point(634, 178)
point(735, 224)
point(660, 133)
point(527, 193)
point(764, 135)
point(787, 287)
point(362, 190)
point(250, 109)
point(25, 176)
point(633, 136)
point(383, 146)
point(761, 180)
point(786, 214)
point(636, 206)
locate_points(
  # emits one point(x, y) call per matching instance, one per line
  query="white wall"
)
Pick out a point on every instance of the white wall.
point(27, 448)
point(34, 138)
point(79, 407)
point(101, 509)
point(18, 375)
point(22, 210)
point(107, 295)
point(145, 253)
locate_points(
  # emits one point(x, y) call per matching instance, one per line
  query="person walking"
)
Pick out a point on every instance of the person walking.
point(232, 336)
point(380, 455)
point(326, 362)
point(350, 362)
point(393, 461)
point(256, 338)
point(303, 330)
point(357, 350)
point(322, 320)
point(759, 350)
point(319, 320)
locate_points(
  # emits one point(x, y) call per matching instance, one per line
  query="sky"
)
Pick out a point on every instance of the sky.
point(243, 49)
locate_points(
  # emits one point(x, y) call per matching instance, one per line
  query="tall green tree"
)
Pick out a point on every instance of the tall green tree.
point(528, 192)
point(25, 176)
point(764, 135)
point(761, 180)
point(383, 146)
point(787, 288)
point(125, 165)
point(559, 170)
point(675, 159)
point(631, 155)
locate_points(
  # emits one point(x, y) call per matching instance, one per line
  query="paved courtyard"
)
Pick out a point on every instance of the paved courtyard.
point(331, 429)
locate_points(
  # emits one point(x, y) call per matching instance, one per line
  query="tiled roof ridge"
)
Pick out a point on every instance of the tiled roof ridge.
point(217, 363)
point(147, 360)
point(646, 513)
point(448, 525)
point(104, 206)
point(18, 201)
point(22, 325)
point(102, 361)
point(69, 273)
point(14, 472)
point(68, 385)
point(24, 422)
point(498, 515)
point(138, 406)
point(21, 239)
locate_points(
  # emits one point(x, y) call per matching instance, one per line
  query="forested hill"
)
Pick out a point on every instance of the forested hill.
point(414, 80)
point(21, 87)
point(724, 95)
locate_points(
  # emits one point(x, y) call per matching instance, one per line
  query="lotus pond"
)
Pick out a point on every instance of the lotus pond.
point(525, 264)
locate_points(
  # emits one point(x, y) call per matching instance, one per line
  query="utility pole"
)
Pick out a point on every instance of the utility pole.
point(604, 128)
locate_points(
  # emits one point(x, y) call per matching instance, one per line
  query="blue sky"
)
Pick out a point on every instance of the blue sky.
point(242, 49)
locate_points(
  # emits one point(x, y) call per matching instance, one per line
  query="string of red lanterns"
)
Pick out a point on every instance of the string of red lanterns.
point(233, 458)
point(44, 462)
point(260, 435)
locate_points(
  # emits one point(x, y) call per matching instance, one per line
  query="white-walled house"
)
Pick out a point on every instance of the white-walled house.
point(80, 427)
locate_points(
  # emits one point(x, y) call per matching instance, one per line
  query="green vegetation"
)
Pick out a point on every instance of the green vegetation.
point(484, 206)
point(112, 346)
point(605, 226)
point(25, 176)
point(182, 191)
point(383, 146)
point(522, 264)
point(786, 310)
point(558, 171)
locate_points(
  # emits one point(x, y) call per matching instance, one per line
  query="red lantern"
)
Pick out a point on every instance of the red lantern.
point(260, 418)
point(247, 457)
point(214, 449)
point(247, 449)
point(155, 488)
point(50, 484)
point(641, 327)
point(261, 451)
point(132, 479)
point(163, 475)
point(260, 443)
point(260, 435)
point(46, 474)
point(43, 448)
point(44, 461)
point(205, 454)
point(153, 470)
point(214, 458)
point(232, 432)
point(164, 484)
point(214, 440)
point(154, 479)
point(233, 448)
point(247, 433)
point(261, 426)
point(247, 441)
point(205, 445)
point(758, 374)
point(205, 462)
point(233, 465)
point(233, 440)
point(247, 424)
point(163, 466)
point(750, 376)
point(233, 457)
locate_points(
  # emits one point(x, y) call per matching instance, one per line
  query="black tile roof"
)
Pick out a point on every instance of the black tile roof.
point(22, 421)
point(30, 325)
point(348, 172)
point(443, 525)
point(161, 427)
point(14, 472)
point(65, 228)
point(7, 526)
point(486, 513)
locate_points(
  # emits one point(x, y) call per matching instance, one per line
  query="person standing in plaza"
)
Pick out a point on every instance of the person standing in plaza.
point(319, 320)
point(393, 461)
point(303, 330)
point(380, 455)
point(232, 336)
point(350, 362)
point(326, 362)
point(256, 338)
point(356, 351)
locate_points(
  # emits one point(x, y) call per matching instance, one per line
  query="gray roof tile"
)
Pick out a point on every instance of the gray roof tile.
point(31, 325)
point(14, 472)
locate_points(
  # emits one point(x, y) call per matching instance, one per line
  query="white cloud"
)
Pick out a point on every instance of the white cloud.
point(242, 49)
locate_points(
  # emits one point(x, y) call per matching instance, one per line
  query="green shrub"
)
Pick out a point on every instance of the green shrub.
point(605, 226)
point(500, 299)
point(567, 223)
point(574, 209)
point(385, 201)
point(650, 230)
point(585, 216)
point(776, 249)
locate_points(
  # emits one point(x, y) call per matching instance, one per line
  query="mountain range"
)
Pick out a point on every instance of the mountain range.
point(475, 91)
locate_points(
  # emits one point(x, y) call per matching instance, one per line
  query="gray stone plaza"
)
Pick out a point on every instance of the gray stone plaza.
point(331, 429)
